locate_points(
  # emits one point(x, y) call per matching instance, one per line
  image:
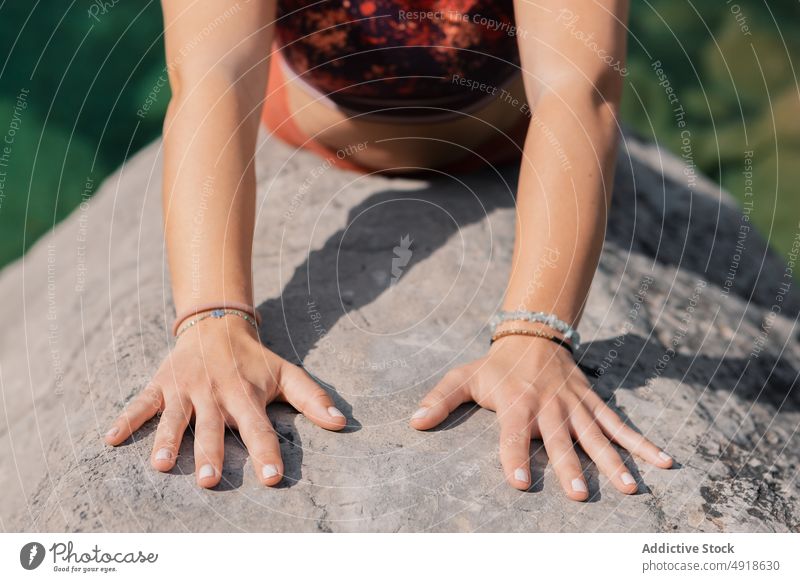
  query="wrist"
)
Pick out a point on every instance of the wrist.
point(527, 326)
point(545, 343)
point(534, 323)
point(213, 327)
point(187, 318)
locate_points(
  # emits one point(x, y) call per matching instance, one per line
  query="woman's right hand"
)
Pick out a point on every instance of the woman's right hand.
point(219, 374)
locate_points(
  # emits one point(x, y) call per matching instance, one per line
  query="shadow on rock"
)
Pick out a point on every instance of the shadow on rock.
point(768, 379)
point(339, 278)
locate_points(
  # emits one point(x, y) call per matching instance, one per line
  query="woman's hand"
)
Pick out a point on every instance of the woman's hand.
point(220, 374)
point(538, 391)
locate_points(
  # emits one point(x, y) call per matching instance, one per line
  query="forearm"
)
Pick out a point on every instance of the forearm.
point(209, 195)
point(218, 79)
point(562, 202)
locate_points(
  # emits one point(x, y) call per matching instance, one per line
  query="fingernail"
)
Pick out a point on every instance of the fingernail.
point(163, 455)
point(579, 486)
point(521, 475)
point(269, 471)
point(421, 413)
point(627, 479)
point(664, 456)
point(335, 412)
point(206, 471)
point(112, 432)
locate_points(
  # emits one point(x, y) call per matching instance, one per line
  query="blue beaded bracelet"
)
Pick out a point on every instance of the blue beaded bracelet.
point(548, 319)
point(217, 314)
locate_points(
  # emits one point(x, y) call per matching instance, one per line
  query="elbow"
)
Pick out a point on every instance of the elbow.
point(192, 82)
point(216, 92)
point(219, 98)
point(600, 92)
point(594, 108)
point(237, 76)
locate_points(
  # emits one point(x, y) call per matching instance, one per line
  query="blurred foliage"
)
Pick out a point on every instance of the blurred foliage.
point(734, 68)
point(88, 70)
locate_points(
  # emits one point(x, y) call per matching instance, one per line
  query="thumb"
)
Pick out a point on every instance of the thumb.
point(446, 396)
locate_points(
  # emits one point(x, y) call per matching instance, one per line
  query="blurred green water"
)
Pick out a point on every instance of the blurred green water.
point(75, 78)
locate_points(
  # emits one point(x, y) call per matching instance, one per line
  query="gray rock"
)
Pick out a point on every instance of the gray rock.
point(677, 325)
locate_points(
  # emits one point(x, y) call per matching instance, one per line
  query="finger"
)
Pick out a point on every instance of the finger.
point(619, 432)
point(261, 440)
point(140, 410)
point(561, 452)
point(169, 434)
point(515, 445)
point(209, 443)
point(302, 392)
point(590, 436)
point(445, 397)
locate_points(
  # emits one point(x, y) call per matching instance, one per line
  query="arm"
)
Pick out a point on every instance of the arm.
point(567, 175)
point(217, 60)
point(219, 373)
point(562, 202)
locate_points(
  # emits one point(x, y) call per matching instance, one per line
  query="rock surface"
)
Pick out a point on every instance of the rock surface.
point(678, 321)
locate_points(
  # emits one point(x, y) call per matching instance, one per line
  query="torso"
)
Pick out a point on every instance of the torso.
point(390, 70)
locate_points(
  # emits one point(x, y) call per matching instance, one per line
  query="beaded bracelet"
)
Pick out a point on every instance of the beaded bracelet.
point(217, 314)
point(548, 319)
point(197, 310)
point(533, 333)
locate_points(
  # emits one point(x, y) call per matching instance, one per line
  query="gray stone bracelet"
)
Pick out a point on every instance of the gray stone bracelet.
point(548, 319)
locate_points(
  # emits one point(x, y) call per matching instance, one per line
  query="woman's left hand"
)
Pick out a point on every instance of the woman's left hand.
point(538, 391)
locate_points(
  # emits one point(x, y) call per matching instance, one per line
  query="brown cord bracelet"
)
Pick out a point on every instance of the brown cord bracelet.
point(533, 333)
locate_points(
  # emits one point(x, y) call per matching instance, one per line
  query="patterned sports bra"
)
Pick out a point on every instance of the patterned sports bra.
point(400, 58)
